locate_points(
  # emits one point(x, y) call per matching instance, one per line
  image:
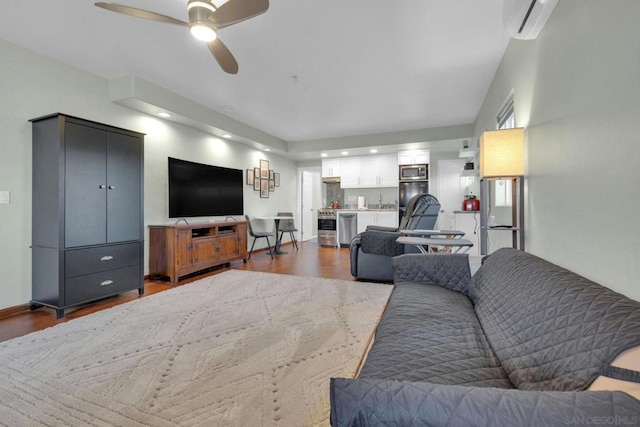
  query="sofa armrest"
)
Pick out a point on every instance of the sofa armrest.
point(354, 245)
point(366, 402)
point(380, 228)
point(447, 270)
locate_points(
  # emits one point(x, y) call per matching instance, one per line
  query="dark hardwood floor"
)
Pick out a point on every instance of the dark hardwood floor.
point(310, 260)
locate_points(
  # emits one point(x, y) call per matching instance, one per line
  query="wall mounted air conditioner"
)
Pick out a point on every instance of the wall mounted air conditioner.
point(524, 19)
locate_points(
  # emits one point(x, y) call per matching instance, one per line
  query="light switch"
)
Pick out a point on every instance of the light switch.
point(5, 197)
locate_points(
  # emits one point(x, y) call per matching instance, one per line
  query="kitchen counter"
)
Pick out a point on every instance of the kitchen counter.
point(364, 217)
point(366, 210)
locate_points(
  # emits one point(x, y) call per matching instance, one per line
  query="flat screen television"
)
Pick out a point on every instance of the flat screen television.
point(196, 189)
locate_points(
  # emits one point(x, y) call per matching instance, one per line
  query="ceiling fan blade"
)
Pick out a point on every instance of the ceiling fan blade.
point(223, 55)
point(235, 11)
point(140, 13)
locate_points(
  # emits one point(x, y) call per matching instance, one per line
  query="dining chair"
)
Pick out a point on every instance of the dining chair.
point(258, 235)
point(288, 226)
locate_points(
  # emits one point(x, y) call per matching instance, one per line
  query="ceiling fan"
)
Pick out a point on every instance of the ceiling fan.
point(205, 19)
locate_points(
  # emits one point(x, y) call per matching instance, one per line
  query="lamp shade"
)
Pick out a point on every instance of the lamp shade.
point(502, 153)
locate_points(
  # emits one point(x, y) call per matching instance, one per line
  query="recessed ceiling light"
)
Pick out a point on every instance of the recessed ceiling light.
point(267, 149)
point(323, 155)
point(344, 153)
point(226, 135)
point(373, 150)
point(164, 114)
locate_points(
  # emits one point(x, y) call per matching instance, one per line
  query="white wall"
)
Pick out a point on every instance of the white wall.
point(32, 85)
point(577, 93)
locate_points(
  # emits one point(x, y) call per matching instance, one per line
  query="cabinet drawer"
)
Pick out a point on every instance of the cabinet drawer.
point(93, 286)
point(103, 258)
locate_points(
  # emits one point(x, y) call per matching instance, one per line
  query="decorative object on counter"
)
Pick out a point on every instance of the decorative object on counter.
point(263, 179)
point(335, 204)
point(470, 203)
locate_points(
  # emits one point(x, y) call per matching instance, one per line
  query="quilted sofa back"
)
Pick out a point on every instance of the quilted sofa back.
point(551, 329)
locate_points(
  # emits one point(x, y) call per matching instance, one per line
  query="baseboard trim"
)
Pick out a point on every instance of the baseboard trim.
point(12, 311)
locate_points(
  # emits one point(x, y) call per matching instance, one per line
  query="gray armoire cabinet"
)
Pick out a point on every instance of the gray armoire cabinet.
point(87, 225)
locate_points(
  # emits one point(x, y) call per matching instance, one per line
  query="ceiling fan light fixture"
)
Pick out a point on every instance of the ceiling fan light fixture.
point(204, 4)
point(203, 32)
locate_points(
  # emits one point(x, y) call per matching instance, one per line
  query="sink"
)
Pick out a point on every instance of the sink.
point(382, 207)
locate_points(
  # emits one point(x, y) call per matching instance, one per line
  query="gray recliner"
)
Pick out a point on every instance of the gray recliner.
point(371, 251)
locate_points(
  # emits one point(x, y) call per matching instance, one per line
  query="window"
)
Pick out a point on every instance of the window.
point(506, 119)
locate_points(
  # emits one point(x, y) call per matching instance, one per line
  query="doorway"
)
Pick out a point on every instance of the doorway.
point(309, 201)
point(450, 191)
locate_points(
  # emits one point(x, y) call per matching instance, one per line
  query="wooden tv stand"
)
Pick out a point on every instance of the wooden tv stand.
point(178, 250)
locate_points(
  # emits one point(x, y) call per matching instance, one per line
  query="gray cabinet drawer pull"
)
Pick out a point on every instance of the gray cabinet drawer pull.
point(111, 187)
point(106, 258)
point(102, 187)
point(106, 282)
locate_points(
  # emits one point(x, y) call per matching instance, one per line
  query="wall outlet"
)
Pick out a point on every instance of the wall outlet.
point(5, 197)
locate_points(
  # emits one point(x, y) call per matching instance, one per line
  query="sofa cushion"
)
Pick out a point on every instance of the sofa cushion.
point(550, 328)
point(368, 402)
point(429, 333)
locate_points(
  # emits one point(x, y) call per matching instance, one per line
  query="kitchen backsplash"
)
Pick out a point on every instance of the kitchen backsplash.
point(348, 197)
point(333, 192)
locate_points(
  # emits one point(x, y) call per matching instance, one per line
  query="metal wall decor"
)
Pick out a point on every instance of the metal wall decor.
point(263, 179)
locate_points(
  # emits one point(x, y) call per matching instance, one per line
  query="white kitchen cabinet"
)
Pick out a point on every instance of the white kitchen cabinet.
point(350, 170)
point(388, 171)
point(379, 218)
point(413, 157)
point(330, 168)
point(369, 172)
point(365, 219)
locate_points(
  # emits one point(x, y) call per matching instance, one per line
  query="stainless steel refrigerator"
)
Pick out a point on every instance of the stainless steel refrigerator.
point(409, 189)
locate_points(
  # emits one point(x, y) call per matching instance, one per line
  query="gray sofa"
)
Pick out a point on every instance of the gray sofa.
point(519, 343)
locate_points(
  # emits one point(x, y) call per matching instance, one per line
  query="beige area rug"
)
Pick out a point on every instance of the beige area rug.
point(236, 349)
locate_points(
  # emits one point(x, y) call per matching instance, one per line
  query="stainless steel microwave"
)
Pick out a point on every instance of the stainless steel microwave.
point(414, 172)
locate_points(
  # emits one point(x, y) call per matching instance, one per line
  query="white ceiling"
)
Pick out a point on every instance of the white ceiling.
point(362, 66)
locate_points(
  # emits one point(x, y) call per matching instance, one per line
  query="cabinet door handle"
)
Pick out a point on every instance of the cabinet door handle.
point(106, 283)
point(106, 258)
point(112, 187)
point(102, 187)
